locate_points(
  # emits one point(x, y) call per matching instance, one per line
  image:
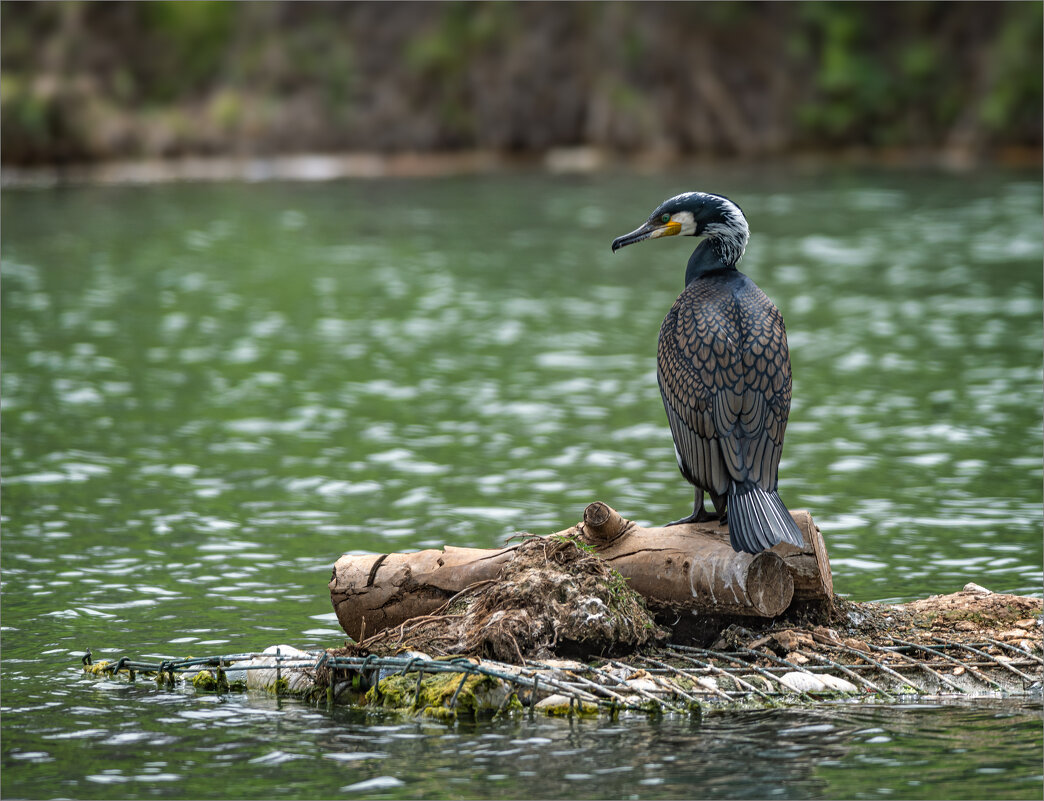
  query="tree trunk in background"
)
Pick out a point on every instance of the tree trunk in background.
point(745, 80)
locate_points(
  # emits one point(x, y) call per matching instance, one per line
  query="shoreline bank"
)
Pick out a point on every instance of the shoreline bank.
point(310, 167)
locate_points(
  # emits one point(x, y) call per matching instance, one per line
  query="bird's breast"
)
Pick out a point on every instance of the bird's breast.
point(722, 331)
point(705, 323)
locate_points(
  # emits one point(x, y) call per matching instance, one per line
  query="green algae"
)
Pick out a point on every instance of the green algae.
point(444, 696)
point(567, 709)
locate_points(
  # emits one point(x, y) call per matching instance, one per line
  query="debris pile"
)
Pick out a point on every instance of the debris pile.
point(554, 597)
point(971, 643)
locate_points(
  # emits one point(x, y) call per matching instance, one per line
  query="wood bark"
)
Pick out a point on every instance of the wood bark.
point(689, 568)
point(374, 592)
point(809, 565)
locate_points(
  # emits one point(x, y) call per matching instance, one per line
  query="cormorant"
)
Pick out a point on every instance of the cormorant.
point(724, 373)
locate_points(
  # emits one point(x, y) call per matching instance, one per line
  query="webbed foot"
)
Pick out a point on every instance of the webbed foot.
point(701, 515)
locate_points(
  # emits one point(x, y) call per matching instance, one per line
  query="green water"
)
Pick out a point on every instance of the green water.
point(211, 392)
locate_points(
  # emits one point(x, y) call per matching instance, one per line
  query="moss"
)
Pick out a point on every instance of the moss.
point(651, 707)
point(574, 540)
point(211, 682)
point(97, 668)
point(439, 713)
point(165, 679)
point(477, 695)
point(513, 706)
point(582, 709)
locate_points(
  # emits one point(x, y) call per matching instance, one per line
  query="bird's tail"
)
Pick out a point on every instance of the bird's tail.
point(758, 519)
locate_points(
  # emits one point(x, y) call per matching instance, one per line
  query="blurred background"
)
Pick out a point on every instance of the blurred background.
point(213, 388)
point(923, 80)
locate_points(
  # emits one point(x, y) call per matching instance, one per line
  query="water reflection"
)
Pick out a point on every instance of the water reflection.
point(210, 392)
point(291, 750)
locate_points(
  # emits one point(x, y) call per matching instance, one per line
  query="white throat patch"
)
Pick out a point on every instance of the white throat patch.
point(688, 222)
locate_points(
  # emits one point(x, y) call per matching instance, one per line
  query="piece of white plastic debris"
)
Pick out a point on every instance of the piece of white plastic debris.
point(374, 785)
point(837, 684)
point(648, 685)
point(552, 700)
point(297, 679)
point(802, 682)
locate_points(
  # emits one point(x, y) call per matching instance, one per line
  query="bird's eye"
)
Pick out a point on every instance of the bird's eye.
point(665, 218)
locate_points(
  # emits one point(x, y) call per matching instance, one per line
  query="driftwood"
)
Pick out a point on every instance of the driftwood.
point(688, 569)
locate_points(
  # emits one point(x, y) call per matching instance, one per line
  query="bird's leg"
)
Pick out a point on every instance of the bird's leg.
point(719, 502)
point(699, 514)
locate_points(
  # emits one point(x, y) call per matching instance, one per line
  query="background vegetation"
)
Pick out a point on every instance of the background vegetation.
point(90, 80)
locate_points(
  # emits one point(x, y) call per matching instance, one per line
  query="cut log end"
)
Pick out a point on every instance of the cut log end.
point(809, 565)
point(769, 584)
point(602, 522)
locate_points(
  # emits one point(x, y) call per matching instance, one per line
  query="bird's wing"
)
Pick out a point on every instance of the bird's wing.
point(700, 381)
point(766, 398)
point(724, 373)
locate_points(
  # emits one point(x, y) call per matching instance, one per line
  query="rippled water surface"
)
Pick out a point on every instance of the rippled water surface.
point(211, 392)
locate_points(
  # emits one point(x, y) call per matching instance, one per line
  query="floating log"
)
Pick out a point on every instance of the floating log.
point(375, 592)
point(690, 567)
point(687, 568)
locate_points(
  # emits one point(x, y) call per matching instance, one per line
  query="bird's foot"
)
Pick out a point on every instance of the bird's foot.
point(723, 519)
point(701, 516)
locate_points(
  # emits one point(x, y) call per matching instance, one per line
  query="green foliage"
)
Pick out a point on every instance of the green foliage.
point(191, 38)
point(851, 78)
point(1016, 92)
point(443, 55)
point(900, 84)
point(22, 107)
point(227, 109)
point(463, 29)
point(574, 540)
point(95, 80)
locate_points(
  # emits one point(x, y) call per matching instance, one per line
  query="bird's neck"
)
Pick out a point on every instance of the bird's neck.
point(709, 257)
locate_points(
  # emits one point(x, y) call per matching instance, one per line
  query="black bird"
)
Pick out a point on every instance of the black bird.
point(724, 374)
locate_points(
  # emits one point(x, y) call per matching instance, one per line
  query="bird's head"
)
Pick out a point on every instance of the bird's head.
point(695, 214)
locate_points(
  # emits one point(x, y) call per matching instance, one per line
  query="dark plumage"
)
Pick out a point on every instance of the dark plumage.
point(724, 374)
